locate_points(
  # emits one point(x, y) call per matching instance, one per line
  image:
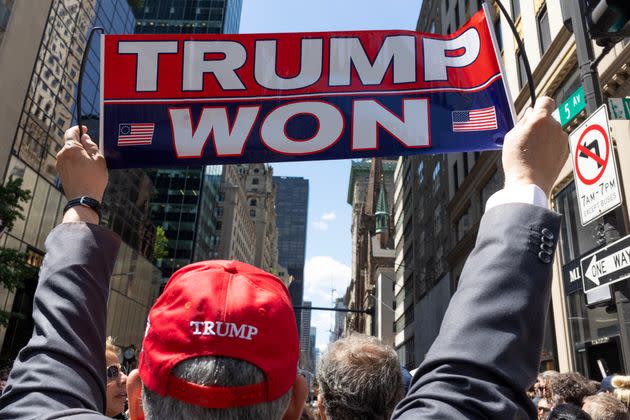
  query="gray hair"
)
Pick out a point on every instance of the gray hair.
point(221, 371)
point(359, 378)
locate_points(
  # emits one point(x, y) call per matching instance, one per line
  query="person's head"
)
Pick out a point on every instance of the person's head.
point(605, 406)
point(359, 377)
point(568, 412)
point(221, 343)
point(606, 385)
point(621, 385)
point(543, 381)
point(116, 380)
point(570, 388)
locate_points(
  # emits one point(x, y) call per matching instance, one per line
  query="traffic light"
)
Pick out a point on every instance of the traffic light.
point(607, 19)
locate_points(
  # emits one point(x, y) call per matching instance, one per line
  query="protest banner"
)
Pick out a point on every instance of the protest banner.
point(179, 100)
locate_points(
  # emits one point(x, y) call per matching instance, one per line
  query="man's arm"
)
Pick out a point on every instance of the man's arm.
point(61, 371)
point(488, 349)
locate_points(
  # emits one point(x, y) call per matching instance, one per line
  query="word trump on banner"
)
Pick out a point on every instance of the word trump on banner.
point(170, 100)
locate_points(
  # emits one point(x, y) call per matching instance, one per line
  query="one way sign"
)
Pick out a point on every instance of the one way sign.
point(607, 265)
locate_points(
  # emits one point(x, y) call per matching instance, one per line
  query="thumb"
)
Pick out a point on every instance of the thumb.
point(546, 104)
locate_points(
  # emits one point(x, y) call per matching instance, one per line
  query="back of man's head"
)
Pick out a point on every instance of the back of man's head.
point(605, 406)
point(359, 378)
point(221, 343)
point(568, 412)
point(570, 388)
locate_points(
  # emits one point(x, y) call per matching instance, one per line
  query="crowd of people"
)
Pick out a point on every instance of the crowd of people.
point(221, 340)
point(572, 396)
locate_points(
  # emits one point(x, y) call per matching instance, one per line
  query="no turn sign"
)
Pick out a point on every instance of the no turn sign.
point(594, 169)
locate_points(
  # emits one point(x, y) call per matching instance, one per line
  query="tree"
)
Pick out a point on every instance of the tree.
point(14, 268)
point(161, 243)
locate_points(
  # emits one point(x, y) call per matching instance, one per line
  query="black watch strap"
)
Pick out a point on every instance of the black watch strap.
point(86, 202)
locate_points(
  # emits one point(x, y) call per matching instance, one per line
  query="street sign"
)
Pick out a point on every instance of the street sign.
point(594, 169)
point(619, 108)
point(571, 107)
point(607, 265)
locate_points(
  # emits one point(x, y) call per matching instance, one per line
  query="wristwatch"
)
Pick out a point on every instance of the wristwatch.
point(85, 202)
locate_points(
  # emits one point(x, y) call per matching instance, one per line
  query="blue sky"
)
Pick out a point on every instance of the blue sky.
point(329, 245)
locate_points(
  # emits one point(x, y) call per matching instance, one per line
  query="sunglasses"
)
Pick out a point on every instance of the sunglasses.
point(113, 372)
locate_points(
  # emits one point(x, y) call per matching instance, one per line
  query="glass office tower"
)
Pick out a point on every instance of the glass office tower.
point(291, 217)
point(47, 111)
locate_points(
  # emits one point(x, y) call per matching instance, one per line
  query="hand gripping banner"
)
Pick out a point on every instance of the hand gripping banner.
point(175, 100)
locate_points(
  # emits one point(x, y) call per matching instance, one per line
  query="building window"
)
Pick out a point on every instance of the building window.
point(219, 211)
point(455, 177)
point(522, 74)
point(544, 31)
point(497, 32)
point(221, 196)
point(219, 225)
point(465, 155)
point(436, 171)
point(253, 202)
point(421, 172)
point(252, 213)
point(457, 15)
point(516, 9)
point(493, 185)
point(255, 181)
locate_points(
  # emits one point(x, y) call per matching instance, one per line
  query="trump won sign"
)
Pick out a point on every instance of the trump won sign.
point(169, 100)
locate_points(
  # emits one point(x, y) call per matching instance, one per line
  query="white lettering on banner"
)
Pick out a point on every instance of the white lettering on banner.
point(437, 62)
point(196, 66)
point(330, 127)
point(412, 130)
point(265, 70)
point(223, 329)
point(190, 143)
point(346, 52)
point(147, 56)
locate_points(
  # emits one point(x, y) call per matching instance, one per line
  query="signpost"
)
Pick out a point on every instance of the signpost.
point(594, 169)
point(608, 265)
point(619, 108)
point(571, 108)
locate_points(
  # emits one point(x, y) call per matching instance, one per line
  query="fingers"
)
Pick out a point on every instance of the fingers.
point(89, 145)
point(545, 104)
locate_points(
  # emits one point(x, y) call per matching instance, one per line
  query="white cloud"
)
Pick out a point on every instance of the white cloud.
point(322, 274)
point(329, 216)
point(320, 225)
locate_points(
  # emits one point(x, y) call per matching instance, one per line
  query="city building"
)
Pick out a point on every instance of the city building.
point(370, 193)
point(261, 202)
point(40, 52)
point(291, 217)
point(187, 17)
point(305, 337)
point(581, 327)
point(184, 197)
point(340, 321)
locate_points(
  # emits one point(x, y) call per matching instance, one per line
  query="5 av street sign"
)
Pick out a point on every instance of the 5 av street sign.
point(607, 265)
point(595, 173)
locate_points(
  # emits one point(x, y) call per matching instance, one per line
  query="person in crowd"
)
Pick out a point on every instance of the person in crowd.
point(621, 388)
point(571, 388)
point(359, 378)
point(606, 385)
point(116, 381)
point(542, 382)
point(5, 368)
point(604, 406)
point(221, 341)
point(568, 412)
point(544, 407)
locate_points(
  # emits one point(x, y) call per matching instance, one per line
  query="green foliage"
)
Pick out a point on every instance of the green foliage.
point(160, 245)
point(136, 4)
point(14, 269)
point(11, 195)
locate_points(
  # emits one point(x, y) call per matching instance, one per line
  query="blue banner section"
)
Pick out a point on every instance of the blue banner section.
point(141, 134)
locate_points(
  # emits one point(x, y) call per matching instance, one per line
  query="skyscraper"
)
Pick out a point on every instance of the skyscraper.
point(189, 16)
point(291, 216)
point(36, 107)
point(185, 198)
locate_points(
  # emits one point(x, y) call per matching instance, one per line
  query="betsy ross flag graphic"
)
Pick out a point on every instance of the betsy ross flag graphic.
point(484, 119)
point(135, 134)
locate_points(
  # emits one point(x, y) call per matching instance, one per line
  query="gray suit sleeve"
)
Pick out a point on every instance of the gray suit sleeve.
point(488, 349)
point(62, 368)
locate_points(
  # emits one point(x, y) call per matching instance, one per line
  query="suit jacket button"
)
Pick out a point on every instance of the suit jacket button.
point(545, 257)
point(547, 241)
point(546, 248)
point(547, 233)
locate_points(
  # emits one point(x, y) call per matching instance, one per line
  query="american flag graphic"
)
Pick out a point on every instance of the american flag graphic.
point(135, 134)
point(484, 119)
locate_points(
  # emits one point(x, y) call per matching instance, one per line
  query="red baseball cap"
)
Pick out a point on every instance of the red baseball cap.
point(221, 308)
